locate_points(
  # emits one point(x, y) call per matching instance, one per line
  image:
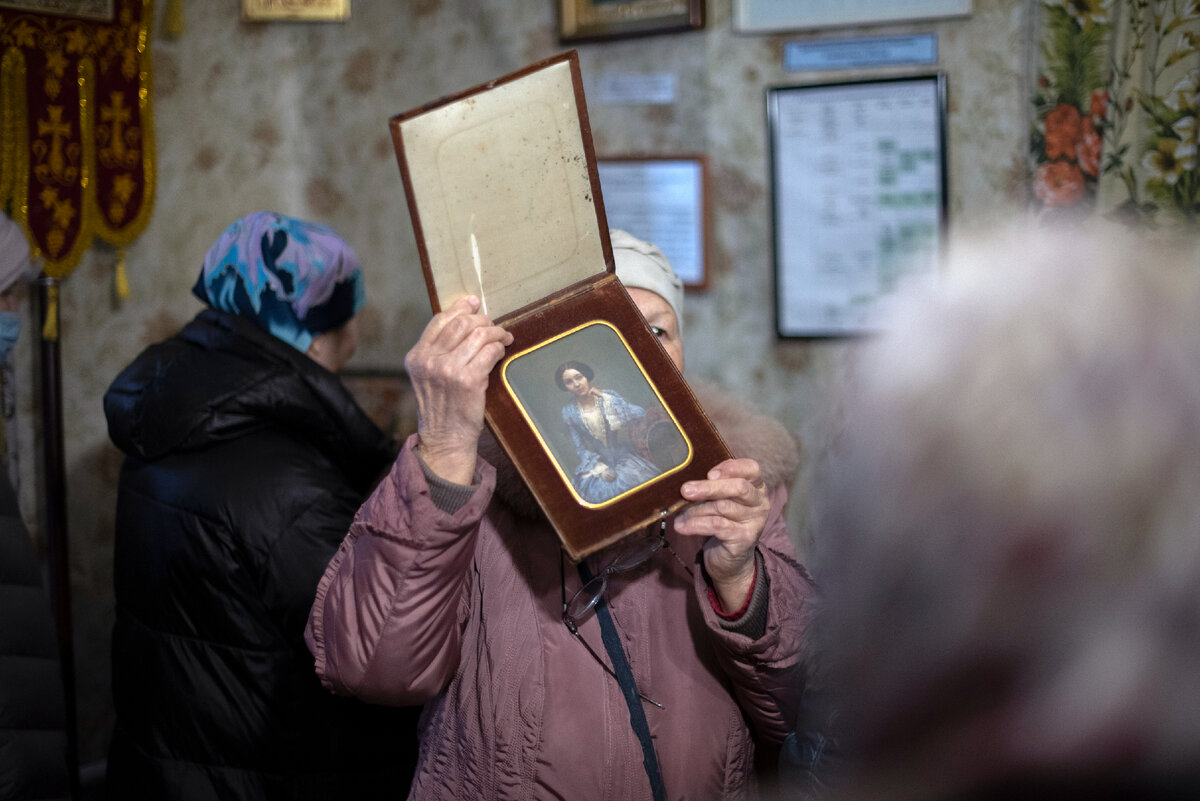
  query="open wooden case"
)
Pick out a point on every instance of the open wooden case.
point(505, 203)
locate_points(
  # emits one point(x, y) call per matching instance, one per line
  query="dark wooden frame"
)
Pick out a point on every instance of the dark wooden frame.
point(591, 20)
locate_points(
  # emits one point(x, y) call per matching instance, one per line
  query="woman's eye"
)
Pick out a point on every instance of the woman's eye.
point(658, 332)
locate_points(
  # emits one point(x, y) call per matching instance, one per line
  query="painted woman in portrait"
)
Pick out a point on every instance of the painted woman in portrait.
point(595, 419)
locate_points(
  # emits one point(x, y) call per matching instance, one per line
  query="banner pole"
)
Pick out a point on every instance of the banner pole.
point(56, 512)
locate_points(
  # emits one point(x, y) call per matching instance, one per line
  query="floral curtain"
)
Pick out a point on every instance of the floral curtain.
point(1115, 110)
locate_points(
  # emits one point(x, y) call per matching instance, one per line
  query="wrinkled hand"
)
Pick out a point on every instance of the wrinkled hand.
point(449, 368)
point(731, 508)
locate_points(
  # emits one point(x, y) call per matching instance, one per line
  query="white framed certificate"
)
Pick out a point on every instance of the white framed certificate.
point(858, 198)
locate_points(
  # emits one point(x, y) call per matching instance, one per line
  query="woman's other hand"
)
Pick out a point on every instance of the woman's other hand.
point(449, 368)
point(730, 507)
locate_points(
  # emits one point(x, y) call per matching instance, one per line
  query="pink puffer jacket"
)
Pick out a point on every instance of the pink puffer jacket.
point(462, 612)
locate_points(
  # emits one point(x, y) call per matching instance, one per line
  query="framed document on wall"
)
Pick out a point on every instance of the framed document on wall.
point(858, 198)
point(664, 200)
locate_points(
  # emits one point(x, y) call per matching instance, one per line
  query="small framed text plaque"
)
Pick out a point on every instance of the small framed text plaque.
point(506, 204)
point(664, 200)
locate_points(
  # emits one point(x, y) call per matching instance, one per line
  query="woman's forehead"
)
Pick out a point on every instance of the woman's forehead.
point(651, 305)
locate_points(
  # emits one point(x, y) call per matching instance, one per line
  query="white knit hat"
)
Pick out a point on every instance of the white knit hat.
point(642, 265)
point(14, 254)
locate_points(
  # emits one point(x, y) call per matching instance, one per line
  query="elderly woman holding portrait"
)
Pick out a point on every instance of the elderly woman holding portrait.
point(660, 677)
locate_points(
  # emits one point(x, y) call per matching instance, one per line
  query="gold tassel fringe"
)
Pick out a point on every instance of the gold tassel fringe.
point(50, 327)
point(122, 280)
point(173, 19)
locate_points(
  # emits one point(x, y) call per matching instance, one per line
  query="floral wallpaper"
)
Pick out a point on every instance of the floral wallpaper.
point(293, 117)
point(1116, 108)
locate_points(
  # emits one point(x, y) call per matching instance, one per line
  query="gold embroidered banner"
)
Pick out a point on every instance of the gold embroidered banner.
point(77, 159)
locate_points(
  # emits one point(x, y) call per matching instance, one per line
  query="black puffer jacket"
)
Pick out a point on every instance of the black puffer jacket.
point(245, 462)
point(33, 734)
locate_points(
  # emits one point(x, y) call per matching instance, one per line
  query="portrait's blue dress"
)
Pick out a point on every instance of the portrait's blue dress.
point(608, 449)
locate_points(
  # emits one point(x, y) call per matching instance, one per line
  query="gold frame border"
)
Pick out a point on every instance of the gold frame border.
point(546, 447)
point(295, 10)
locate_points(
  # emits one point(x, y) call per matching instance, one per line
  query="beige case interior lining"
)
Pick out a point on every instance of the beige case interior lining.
point(506, 204)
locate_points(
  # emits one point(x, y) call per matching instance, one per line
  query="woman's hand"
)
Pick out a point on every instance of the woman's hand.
point(449, 368)
point(731, 508)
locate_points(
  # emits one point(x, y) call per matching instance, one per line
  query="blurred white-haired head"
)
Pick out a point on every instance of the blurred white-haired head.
point(1009, 526)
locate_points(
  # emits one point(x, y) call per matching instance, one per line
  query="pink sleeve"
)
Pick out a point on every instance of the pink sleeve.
point(387, 622)
point(766, 672)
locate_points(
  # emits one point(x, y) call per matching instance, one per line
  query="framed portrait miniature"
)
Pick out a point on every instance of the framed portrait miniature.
point(506, 204)
point(606, 453)
point(597, 414)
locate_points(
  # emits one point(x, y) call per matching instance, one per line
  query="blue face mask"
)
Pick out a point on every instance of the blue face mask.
point(10, 326)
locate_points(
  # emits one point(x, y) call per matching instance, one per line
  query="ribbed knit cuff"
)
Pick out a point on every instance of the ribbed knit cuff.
point(751, 620)
point(447, 496)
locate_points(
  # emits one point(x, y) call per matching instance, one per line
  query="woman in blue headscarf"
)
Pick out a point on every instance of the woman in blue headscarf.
point(298, 280)
point(246, 458)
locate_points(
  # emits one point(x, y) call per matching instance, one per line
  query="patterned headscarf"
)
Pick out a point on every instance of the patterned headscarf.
point(293, 278)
